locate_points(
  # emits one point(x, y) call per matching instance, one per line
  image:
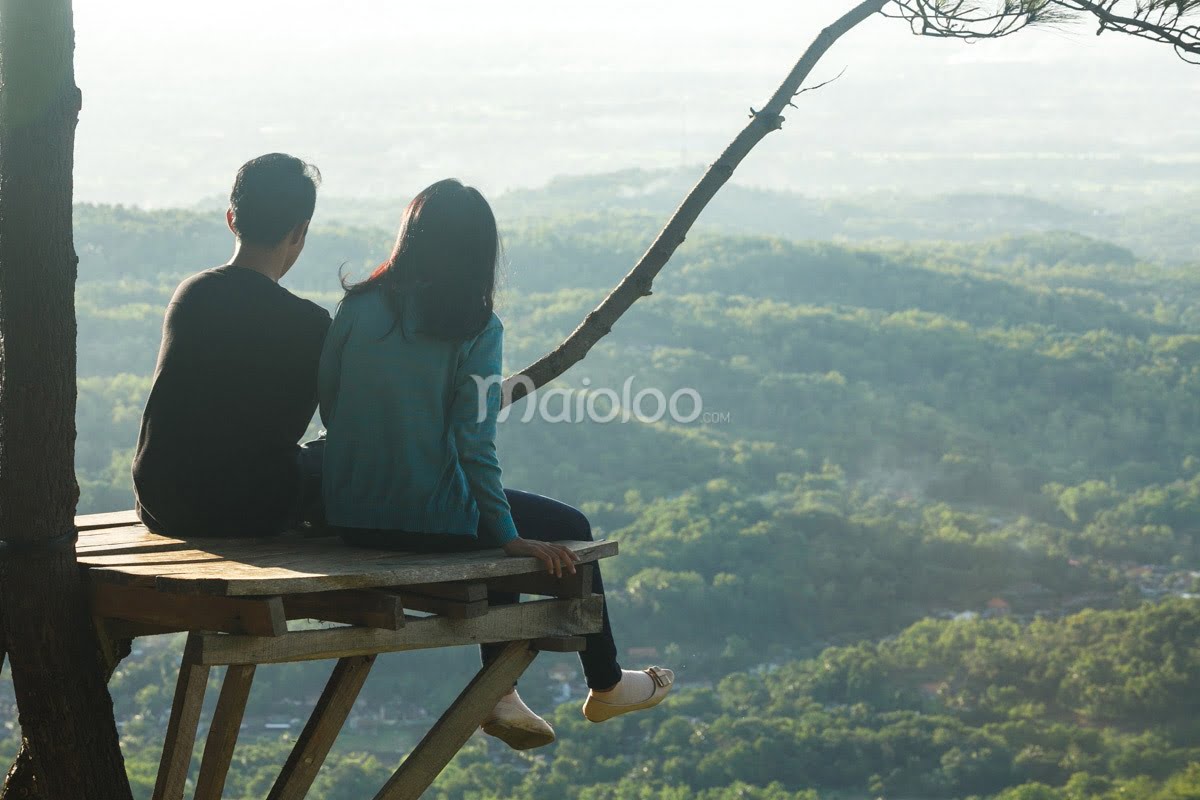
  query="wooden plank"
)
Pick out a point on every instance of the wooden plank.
point(151, 551)
point(111, 519)
point(172, 557)
point(260, 616)
point(327, 569)
point(454, 609)
point(125, 533)
point(322, 728)
point(87, 552)
point(126, 541)
point(455, 727)
point(145, 567)
point(86, 531)
point(142, 565)
point(368, 608)
point(181, 730)
point(142, 561)
point(139, 539)
point(167, 559)
point(533, 620)
point(223, 732)
point(545, 584)
point(234, 546)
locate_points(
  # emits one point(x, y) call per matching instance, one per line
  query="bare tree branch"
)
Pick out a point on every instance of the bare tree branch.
point(1158, 20)
point(820, 85)
point(638, 282)
point(959, 19)
point(1164, 21)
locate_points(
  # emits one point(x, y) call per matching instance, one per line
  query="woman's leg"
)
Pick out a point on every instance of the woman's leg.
point(545, 520)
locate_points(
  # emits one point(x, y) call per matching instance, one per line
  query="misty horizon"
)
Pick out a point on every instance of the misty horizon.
point(397, 99)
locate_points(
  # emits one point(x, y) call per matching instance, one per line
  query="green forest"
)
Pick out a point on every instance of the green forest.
point(935, 534)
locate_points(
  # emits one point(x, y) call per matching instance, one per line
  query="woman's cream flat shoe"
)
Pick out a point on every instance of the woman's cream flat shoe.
point(515, 724)
point(599, 711)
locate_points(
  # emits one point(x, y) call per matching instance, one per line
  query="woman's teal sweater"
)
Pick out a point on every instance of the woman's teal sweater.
point(411, 424)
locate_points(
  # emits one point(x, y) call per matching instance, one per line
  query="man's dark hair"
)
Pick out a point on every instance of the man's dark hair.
point(271, 195)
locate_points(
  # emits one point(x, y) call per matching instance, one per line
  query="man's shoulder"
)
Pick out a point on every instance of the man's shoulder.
point(301, 314)
point(236, 286)
point(316, 314)
point(224, 283)
point(197, 296)
point(199, 282)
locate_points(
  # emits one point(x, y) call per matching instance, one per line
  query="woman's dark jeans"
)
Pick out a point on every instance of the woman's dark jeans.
point(538, 518)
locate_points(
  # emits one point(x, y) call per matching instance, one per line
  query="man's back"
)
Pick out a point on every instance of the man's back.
point(234, 390)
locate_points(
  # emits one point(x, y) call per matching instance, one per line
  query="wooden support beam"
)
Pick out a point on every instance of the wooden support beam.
point(322, 729)
point(122, 629)
point(543, 583)
point(181, 730)
point(114, 647)
point(223, 732)
point(470, 592)
point(258, 616)
point(367, 608)
point(455, 609)
point(560, 644)
point(455, 727)
point(522, 621)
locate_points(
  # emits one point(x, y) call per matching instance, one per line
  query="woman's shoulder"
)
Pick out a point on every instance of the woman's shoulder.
point(361, 302)
point(492, 332)
point(487, 341)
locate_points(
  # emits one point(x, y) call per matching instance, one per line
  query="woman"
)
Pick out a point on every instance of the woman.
point(411, 462)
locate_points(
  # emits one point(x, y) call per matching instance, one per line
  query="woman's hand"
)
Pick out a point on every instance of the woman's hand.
point(556, 557)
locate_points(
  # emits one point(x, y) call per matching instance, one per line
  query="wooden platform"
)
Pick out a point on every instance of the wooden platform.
point(236, 598)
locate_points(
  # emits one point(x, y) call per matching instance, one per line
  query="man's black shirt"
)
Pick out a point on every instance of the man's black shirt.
point(234, 390)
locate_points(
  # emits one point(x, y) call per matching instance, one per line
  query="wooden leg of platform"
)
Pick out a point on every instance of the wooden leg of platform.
point(322, 729)
point(223, 733)
point(113, 649)
point(455, 727)
point(181, 730)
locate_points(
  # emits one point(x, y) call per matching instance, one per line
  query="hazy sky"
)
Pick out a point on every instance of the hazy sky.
point(388, 96)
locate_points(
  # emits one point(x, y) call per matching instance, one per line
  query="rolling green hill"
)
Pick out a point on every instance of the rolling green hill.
point(897, 439)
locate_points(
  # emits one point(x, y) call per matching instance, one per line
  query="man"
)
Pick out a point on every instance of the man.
point(236, 383)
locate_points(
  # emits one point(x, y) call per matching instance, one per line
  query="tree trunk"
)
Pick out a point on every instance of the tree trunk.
point(65, 711)
point(22, 782)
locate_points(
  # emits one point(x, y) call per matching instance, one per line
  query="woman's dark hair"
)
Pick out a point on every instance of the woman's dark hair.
point(444, 261)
